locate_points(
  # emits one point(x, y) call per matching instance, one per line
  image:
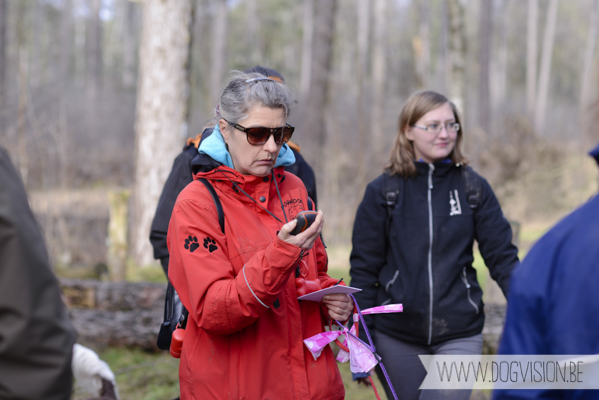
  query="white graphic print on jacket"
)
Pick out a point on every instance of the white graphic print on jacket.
point(456, 209)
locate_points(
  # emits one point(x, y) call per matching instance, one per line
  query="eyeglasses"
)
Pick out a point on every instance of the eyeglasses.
point(436, 128)
point(259, 135)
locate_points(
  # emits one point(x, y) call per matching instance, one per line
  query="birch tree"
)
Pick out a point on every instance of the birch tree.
point(163, 88)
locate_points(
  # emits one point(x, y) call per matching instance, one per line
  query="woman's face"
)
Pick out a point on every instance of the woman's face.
point(428, 146)
point(250, 159)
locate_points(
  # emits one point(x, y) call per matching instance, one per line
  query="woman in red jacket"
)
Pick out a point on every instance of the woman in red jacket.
point(244, 338)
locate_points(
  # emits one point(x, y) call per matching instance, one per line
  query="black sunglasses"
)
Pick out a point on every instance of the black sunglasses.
point(259, 135)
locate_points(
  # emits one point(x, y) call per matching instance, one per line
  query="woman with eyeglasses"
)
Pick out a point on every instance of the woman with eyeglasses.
point(245, 330)
point(413, 243)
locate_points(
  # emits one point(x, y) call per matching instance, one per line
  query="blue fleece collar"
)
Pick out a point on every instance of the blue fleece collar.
point(214, 146)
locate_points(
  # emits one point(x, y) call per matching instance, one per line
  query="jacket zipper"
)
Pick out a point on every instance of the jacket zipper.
point(465, 279)
point(431, 168)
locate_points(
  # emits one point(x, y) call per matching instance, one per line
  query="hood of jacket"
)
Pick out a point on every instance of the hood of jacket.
point(213, 152)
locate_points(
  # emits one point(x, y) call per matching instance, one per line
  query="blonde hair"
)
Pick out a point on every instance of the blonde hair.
point(401, 159)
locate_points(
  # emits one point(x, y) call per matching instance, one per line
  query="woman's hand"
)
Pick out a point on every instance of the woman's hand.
point(304, 240)
point(340, 306)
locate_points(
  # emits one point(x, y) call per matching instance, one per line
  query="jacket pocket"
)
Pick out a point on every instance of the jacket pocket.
point(467, 284)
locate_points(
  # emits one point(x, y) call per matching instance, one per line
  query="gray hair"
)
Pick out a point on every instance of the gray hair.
point(247, 90)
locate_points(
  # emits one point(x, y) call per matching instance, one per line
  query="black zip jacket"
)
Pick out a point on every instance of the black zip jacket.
point(426, 263)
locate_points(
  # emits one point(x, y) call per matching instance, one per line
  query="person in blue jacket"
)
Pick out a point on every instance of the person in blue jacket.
point(423, 258)
point(182, 174)
point(552, 308)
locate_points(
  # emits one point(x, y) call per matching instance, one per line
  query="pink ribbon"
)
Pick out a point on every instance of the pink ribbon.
point(360, 358)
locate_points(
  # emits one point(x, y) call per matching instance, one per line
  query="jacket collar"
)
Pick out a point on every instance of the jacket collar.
point(441, 167)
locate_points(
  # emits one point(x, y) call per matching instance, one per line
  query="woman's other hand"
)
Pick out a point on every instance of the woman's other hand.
point(304, 240)
point(340, 306)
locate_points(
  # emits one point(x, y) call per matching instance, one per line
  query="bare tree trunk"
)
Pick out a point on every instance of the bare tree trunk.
point(219, 50)
point(531, 57)
point(314, 117)
point(499, 67)
point(363, 14)
point(94, 50)
point(485, 36)
point(35, 47)
point(3, 22)
point(307, 48)
point(66, 50)
point(253, 21)
point(443, 66)
point(161, 109)
point(457, 53)
point(23, 159)
point(23, 81)
point(129, 29)
point(379, 72)
point(589, 56)
point(543, 89)
point(421, 45)
point(66, 44)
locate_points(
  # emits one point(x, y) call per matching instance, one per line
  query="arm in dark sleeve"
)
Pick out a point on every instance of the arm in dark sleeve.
point(180, 176)
point(36, 335)
point(494, 236)
point(369, 247)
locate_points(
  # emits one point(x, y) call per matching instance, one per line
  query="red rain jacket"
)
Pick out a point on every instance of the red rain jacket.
point(244, 337)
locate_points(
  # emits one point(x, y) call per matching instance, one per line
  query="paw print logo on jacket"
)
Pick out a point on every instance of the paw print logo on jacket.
point(191, 243)
point(210, 244)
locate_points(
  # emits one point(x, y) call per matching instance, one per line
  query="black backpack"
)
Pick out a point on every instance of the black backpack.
point(392, 185)
point(174, 312)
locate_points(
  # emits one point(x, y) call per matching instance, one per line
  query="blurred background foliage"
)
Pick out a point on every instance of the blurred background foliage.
point(69, 71)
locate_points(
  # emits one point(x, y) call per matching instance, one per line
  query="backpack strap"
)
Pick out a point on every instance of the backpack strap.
point(217, 203)
point(472, 185)
point(391, 188)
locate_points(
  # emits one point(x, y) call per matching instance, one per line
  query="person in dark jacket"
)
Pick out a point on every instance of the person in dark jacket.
point(36, 335)
point(424, 258)
point(182, 174)
point(552, 308)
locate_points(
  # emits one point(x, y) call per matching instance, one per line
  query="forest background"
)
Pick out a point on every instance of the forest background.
point(97, 97)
